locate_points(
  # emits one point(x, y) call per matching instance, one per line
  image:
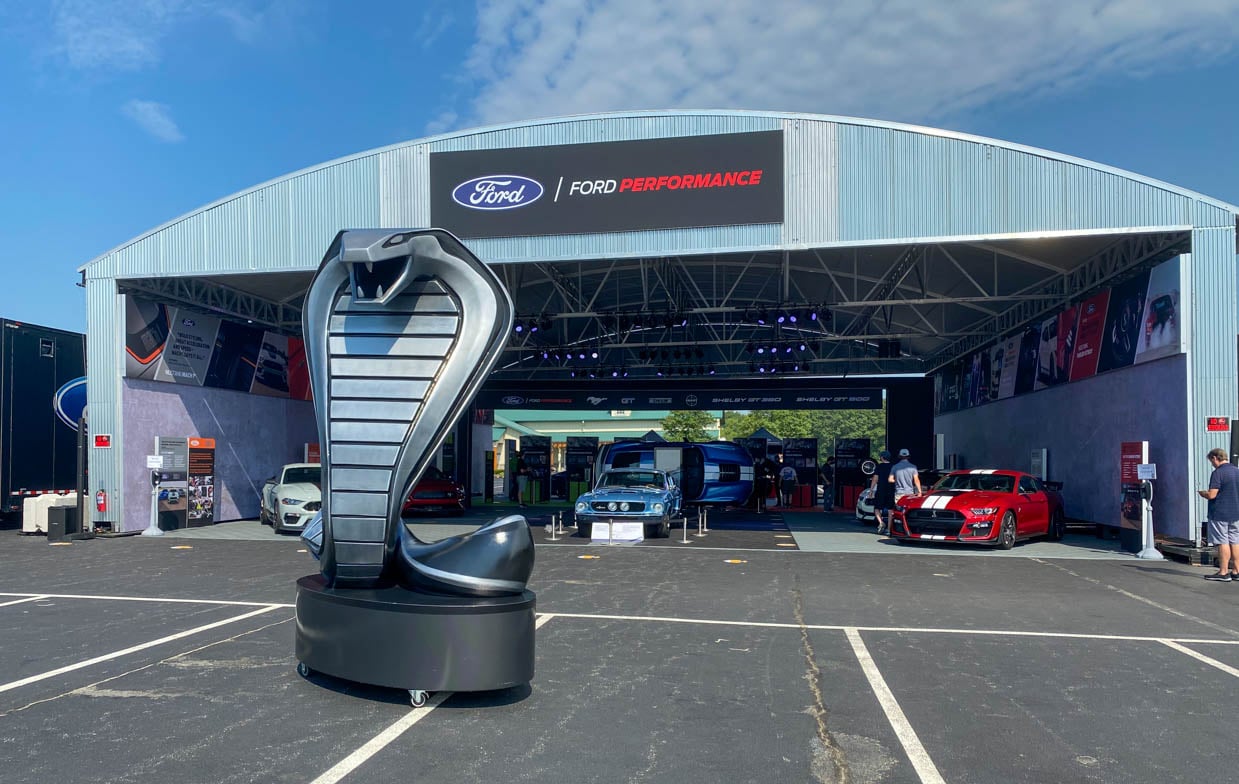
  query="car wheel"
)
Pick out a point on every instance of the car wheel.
point(1058, 526)
point(1006, 534)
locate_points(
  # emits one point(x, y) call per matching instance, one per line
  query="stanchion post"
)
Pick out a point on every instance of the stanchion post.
point(701, 531)
point(684, 519)
point(610, 530)
point(705, 511)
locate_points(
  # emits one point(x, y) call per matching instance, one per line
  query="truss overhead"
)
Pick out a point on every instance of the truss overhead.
point(207, 296)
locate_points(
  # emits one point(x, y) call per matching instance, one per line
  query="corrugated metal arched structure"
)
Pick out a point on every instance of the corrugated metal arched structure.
point(924, 244)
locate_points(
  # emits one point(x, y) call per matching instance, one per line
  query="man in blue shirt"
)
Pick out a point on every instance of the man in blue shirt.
point(1223, 495)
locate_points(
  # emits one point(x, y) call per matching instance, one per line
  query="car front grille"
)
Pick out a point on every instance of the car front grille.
point(426, 494)
point(935, 522)
point(633, 506)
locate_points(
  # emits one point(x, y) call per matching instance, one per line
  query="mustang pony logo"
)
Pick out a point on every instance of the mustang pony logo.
point(593, 401)
point(497, 192)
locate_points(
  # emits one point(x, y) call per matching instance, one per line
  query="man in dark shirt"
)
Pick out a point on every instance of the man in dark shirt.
point(1223, 495)
point(883, 492)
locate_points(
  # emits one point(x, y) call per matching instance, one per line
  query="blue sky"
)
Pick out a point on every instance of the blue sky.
point(119, 115)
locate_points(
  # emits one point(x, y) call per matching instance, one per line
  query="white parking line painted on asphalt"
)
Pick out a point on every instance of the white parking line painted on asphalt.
point(379, 742)
point(160, 599)
point(1142, 599)
point(21, 601)
point(900, 629)
point(1226, 668)
point(132, 649)
point(921, 762)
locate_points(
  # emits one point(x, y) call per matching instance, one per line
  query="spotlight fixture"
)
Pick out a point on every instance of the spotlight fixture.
point(711, 370)
point(781, 318)
point(532, 326)
point(593, 354)
point(518, 328)
point(763, 316)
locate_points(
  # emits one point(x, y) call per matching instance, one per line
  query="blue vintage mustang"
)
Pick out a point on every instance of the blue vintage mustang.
point(632, 495)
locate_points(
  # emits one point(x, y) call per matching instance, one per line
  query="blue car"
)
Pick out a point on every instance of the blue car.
point(632, 495)
point(714, 472)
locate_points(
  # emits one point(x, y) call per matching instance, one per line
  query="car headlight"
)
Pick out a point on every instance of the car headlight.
point(291, 501)
point(900, 509)
point(658, 508)
point(581, 506)
point(612, 506)
point(984, 510)
point(624, 506)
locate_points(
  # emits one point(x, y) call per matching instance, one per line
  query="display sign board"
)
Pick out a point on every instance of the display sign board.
point(1218, 424)
point(644, 399)
point(1146, 471)
point(536, 451)
point(850, 453)
point(173, 482)
point(579, 457)
point(201, 481)
point(1131, 455)
point(617, 533)
point(1038, 465)
point(682, 182)
point(154, 461)
point(801, 454)
point(103, 440)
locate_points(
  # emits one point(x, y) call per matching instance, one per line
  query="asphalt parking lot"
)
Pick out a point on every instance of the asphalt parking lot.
point(170, 659)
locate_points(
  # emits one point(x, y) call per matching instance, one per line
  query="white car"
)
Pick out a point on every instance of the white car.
point(864, 506)
point(291, 498)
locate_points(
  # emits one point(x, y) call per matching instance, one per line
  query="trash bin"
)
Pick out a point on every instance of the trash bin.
point(61, 523)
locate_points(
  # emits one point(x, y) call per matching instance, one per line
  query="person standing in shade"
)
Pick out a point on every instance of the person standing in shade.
point(883, 492)
point(828, 485)
point(522, 478)
point(787, 485)
point(905, 477)
point(1223, 497)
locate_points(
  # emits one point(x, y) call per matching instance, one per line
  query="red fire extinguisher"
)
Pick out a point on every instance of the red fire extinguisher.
point(101, 501)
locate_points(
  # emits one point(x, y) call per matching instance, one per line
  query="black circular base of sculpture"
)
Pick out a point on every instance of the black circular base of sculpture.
point(409, 640)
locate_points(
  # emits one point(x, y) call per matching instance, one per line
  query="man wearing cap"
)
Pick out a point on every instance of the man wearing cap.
point(905, 477)
point(883, 492)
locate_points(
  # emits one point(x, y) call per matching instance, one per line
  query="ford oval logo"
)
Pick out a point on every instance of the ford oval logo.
point(70, 402)
point(497, 192)
point(513, 400)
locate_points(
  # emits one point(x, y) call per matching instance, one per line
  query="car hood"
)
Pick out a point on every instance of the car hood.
point(955, 499)
point(623, 494)
point(303, 490)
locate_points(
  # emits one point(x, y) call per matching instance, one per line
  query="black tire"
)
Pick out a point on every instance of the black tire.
point(1006, 532)
point(1058, 526)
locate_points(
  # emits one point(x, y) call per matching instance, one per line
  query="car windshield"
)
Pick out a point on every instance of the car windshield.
point(311, 475)
point(994, 483)
point(433, 473)
point(632, 479)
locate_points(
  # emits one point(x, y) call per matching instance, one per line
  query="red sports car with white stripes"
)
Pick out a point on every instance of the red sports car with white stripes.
point(982, 506)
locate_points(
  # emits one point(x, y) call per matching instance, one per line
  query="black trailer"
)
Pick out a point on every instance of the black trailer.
point(38, 400)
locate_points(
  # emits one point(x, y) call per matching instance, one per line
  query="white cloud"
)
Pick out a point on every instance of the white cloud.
point(129, 34)
point(907, 60)
point(153, 118)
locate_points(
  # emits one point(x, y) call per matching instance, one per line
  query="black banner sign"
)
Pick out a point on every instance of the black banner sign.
point(683, 182)
point(680, 400)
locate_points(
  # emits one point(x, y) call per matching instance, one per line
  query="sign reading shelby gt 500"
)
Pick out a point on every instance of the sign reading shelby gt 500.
point(718, 180)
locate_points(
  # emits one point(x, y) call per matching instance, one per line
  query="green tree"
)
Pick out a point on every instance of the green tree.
point(687, 425)
point(825, 426)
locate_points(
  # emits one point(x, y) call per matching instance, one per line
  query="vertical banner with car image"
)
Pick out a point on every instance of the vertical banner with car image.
point(1089, 335)
point(201, 481)
point(173, 482)
point(271, 369)
point(1160, 324)
point(1122, 332)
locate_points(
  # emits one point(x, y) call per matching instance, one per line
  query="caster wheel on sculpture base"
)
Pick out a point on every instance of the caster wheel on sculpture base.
point(304, 670)
point(417, 697)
